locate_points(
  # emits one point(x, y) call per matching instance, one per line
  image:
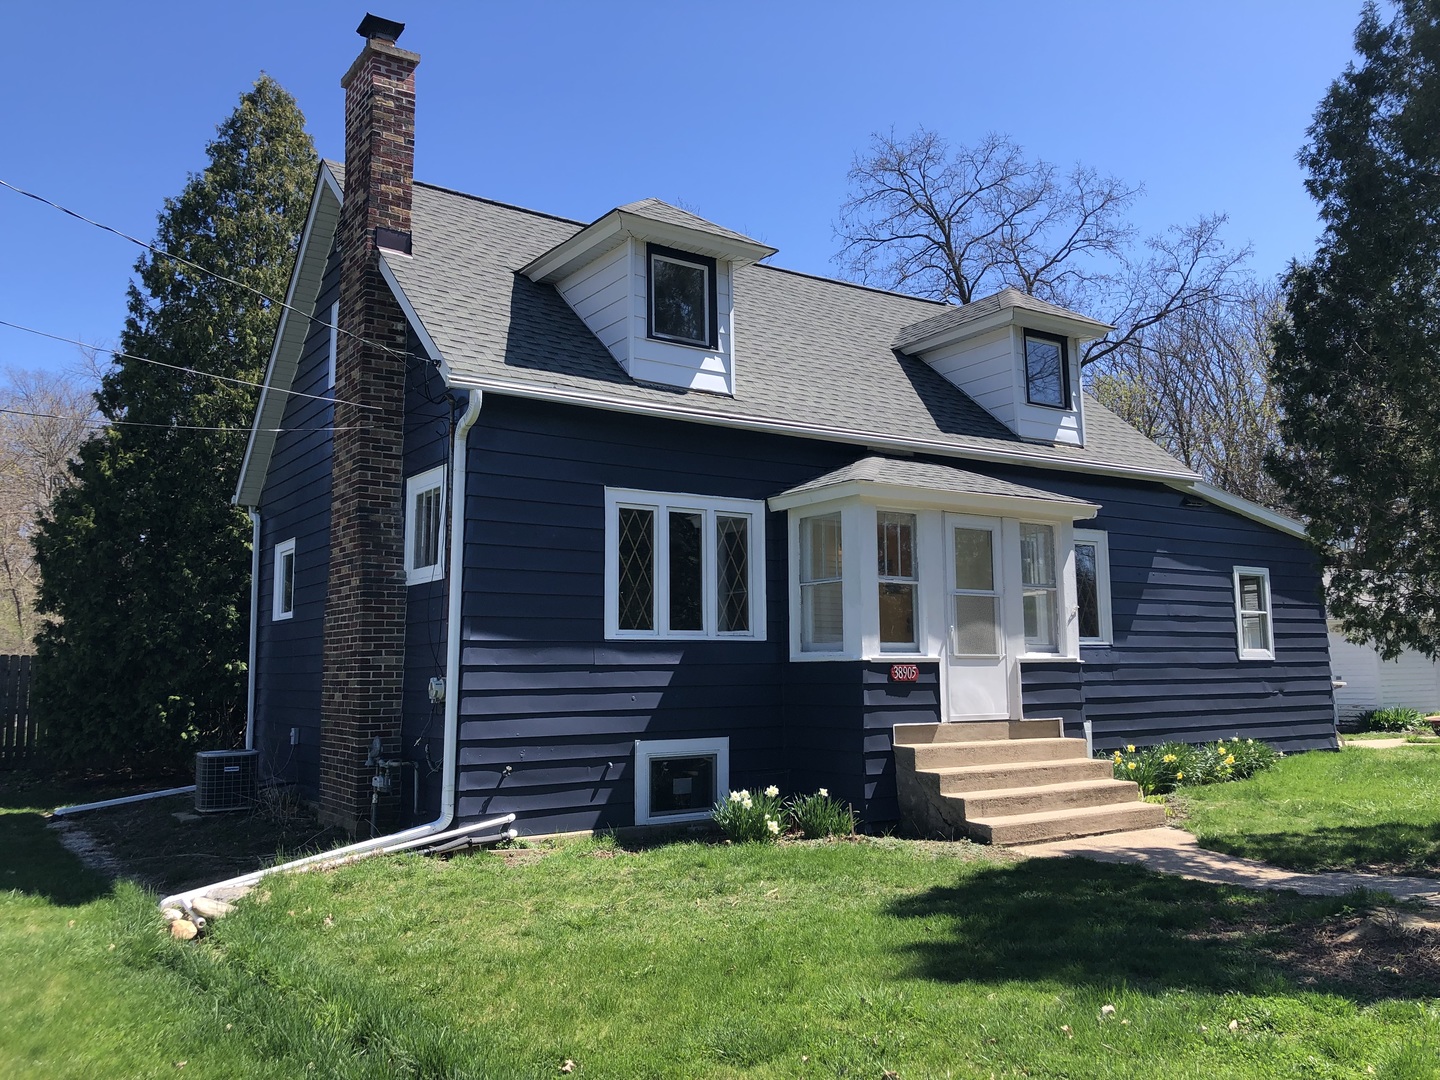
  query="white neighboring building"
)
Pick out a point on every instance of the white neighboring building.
point(1411, 680)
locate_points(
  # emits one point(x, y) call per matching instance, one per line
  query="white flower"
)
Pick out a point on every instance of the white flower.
point(773, 826)
point(737, 796)
point(824, 793)
point(745, 800)
point(772, 791)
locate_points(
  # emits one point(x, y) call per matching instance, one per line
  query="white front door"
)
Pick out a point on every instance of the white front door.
point(976, 666)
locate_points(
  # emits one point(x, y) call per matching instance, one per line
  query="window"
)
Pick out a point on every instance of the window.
point(975, 596)
point(334, 321)
point(679, 779)
point(681, 297)
point(283, 605)
point(1092, 585)
point(898, 580)
point(1046, 371)
point(822, 592)
point(1037, 578)
point(683, 566)
point(1254, 636)
point(425, 526)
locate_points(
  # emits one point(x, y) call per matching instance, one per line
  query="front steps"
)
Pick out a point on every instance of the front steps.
point(1010, 782)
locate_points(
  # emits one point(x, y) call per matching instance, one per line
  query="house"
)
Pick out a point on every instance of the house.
point(592, 522)
point(1411, 680)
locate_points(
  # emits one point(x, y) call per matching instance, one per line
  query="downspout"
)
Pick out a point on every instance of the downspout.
point(439, 829)
point(254, 625)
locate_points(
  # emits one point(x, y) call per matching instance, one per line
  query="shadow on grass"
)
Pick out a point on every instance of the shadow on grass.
point(35, 863)
point(1106, 926)
point(1397, 847)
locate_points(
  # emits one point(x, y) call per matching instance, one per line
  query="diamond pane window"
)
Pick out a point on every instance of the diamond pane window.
point(732, 557)
point(682, 566)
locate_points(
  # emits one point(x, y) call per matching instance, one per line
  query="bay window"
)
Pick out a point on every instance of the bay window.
point(1038, 582)
point(822, 599)
point(898, 580)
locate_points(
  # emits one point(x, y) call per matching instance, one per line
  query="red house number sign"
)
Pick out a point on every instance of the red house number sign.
point(904, 673)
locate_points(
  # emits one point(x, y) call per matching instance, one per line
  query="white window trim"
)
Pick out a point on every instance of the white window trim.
point(662, 503)
point(1101, 542)
point(278, 610)
point(334, 347)
point(414, 485)
point(902, 648)
point(1253, 654)
point(648, 749)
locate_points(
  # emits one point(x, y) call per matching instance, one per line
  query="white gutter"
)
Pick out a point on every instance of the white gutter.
point(439, 829)
point(254, 620)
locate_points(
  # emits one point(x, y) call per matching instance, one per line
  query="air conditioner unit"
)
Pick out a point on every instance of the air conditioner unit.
point(225, 780)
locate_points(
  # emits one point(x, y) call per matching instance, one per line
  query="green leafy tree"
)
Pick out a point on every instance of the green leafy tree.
point(1356, 368)
point(144, 562)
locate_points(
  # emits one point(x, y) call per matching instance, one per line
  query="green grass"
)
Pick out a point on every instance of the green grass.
point(1357, 809)
point(692, 960)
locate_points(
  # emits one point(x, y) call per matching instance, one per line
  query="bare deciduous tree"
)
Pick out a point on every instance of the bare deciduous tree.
point(44, 418)
point(957, 225)
point(1197, 383)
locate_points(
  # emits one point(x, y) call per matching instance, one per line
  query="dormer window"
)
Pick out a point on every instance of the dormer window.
point(682, 297)
point(1046, 381)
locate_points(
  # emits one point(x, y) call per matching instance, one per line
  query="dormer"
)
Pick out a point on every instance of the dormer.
point(1016, 356)
point(656, 285)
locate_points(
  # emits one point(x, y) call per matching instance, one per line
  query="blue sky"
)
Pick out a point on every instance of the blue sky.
point(747, 112)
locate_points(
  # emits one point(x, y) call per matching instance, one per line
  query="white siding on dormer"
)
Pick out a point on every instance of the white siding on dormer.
point(670, 364)
point(1038, 422)
point(984, 367)
point(600, 294)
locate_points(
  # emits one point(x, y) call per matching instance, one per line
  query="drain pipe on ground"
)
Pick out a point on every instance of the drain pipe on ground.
point(437, 831)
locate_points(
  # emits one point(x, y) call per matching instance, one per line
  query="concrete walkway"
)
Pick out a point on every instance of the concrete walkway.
point(1173, 851)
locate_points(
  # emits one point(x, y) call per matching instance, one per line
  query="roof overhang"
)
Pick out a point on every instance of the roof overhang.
point(1244, 507)
point(612, 230)
point(1078, 327)
point(1059, 508)
point(290, 333)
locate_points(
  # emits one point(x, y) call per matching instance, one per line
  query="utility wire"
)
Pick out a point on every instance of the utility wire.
point(203, 269)
point(178, 367)
point(170, 427)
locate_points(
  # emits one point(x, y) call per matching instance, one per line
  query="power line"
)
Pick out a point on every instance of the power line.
point(179, 367)
point(169, 427)
point(203, 269)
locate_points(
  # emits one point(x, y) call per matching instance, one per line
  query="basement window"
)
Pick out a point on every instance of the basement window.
point(1254, 635)
point(681, 566)
point(681, 296)
point(679, 779)
point(283, 602)
point(425, 526)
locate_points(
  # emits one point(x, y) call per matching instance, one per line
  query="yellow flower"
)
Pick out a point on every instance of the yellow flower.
point(1179, 776)
point(1169, 759)
point(1131, 765)
point(1230, 760)
point(1130, 748)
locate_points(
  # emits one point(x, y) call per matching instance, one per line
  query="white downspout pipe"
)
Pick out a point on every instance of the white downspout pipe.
point(254, 625)
point(438, 829)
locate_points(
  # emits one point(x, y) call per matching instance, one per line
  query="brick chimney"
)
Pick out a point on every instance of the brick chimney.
point(364, 636)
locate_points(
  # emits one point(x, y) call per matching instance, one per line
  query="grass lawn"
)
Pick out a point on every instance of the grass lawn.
point(701, 960)
point(1355, 809)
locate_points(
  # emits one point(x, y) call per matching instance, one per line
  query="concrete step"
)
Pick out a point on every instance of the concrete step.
point(1076, 795)
point(1061, 824)
point(978, 730)
point(1014, 774)
point(927, 756)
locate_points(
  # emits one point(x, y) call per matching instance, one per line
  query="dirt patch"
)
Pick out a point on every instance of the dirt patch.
point(91, 851)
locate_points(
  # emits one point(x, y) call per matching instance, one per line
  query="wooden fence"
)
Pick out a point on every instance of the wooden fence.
point(19, 734)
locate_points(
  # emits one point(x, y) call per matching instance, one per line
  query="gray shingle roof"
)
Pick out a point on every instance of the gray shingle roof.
point(954, 317)
point(930, 477)
point(659, 210)
point(812, 353)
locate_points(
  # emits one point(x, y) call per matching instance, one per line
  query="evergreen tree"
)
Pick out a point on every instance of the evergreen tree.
point(144, 561)
point(1357, 359)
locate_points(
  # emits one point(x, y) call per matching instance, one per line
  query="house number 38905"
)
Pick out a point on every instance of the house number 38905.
point(904, 673)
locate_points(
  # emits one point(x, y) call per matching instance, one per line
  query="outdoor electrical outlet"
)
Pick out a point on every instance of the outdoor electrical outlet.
point(294, 736)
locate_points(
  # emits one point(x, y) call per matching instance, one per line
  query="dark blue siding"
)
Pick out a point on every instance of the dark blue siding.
point(296, 502)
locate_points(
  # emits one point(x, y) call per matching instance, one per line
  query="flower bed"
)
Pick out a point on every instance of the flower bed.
point(1161, 769)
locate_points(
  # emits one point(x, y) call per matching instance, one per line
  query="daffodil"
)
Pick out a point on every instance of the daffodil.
point(1130, 748)
point(1131, 765)
point(1169, 759)
point(1179, 776)
point(773, 826)
point(772, 791)
point(824, 793)
point(1230, 760)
